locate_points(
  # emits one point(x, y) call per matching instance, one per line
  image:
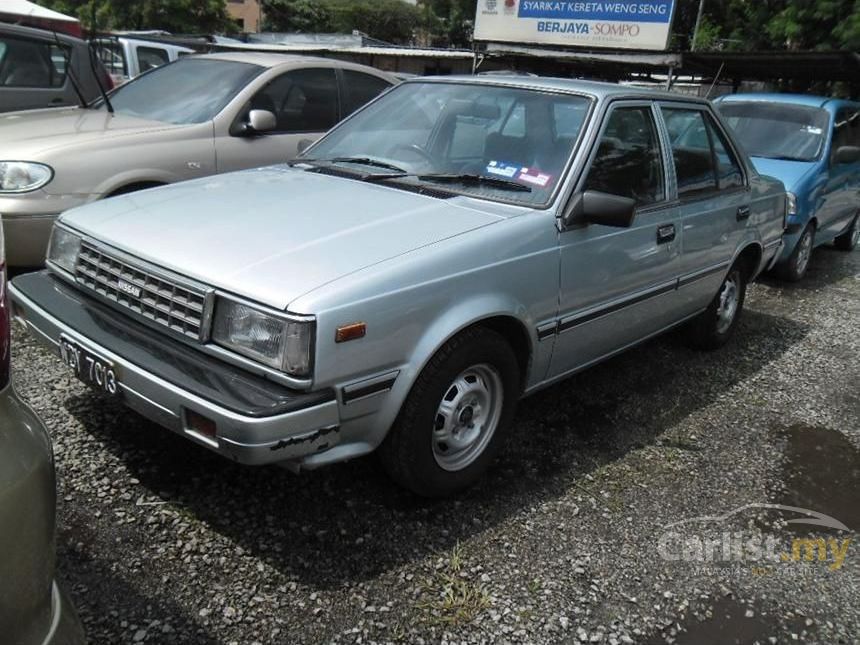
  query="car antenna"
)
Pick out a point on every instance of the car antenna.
point(92, 50)
point(67, 60)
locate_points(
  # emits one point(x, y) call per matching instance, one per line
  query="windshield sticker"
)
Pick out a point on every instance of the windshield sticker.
point(502, 169)
point(532, 176)
point(813, 130)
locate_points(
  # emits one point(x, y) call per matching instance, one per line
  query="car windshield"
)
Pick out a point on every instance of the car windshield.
point(487, 141)
point(187, 91)
point(777, 130)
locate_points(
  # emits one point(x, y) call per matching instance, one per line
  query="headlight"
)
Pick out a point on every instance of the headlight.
point(270, 339)
point(64, 248)
point(791, 204)
point(23, 176)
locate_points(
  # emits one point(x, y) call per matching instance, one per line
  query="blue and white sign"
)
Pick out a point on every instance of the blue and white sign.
point(645, 24)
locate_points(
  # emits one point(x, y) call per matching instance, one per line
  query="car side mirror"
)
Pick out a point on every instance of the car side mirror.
point(259, 122)
point(595, 207)
point(847, 154)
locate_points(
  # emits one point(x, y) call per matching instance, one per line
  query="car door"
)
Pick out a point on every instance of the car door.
point(305, 103)
point(617, 285)
point(33, 74)
point(713, 196)
point(840, 199)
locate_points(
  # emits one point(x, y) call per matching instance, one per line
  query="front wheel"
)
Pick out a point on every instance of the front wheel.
point(795, 267)
point(848, 240)
point(714, 327)
point(456, 417)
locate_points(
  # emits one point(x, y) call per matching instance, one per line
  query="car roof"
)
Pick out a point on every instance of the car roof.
point(597, 89)
point(276, 59)
point(267, 59)
point(41, 34)
point(807, 100)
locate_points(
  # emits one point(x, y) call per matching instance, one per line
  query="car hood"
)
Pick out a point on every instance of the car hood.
point(790, 173)
point(27, 135)
point(273, 234)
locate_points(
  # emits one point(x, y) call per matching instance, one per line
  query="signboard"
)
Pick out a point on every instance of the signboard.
point(643, 24)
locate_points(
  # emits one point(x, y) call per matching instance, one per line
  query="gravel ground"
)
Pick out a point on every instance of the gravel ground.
point(162, 542)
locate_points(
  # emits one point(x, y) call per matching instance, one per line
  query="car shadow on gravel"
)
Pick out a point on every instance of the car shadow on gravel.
point(349, 523)
point(107, 602)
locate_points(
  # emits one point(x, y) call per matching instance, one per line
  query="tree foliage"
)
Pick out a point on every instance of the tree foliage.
point(176, 16)
point(389, 20)
point(779, 24)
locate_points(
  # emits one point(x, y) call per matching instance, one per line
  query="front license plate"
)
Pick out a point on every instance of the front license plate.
point(89, 368)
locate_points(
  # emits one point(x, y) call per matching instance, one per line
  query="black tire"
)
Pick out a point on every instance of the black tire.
point(848, 240)
point(795, 267)
point(409, 452)
point(711, 330)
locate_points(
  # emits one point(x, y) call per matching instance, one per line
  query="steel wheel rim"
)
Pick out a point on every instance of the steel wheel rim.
point(728, 308)
point(804, 252)
point(467, 417)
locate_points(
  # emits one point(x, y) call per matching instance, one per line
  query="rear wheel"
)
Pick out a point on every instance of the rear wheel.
point(848, 240)
point(714, 327)
point(456, 417)
point(795, 267)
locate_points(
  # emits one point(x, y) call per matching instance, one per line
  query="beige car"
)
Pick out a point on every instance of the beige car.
point(198, 116)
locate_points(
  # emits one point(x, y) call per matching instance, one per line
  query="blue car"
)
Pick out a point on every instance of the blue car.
point(812, 144)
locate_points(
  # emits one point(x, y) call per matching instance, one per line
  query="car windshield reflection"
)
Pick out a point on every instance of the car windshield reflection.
point(461, 132)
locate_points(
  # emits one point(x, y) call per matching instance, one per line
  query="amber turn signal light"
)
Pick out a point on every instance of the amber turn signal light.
point(350, 332)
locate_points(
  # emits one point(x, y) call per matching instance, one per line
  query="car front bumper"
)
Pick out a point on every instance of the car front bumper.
point(256, 421)
point(27, 222)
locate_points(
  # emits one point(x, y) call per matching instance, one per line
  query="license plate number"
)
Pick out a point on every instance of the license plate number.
point(89, 368)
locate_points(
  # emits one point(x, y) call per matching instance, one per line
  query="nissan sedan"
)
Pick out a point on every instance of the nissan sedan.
point(457, 244)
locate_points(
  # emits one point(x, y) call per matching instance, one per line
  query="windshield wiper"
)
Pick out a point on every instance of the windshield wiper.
point(784, 158)
point(364, 161)
point(464, 178)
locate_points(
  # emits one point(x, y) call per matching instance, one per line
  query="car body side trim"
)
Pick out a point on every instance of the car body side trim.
point(575, 320)
point(369, 387)
point(702, 273)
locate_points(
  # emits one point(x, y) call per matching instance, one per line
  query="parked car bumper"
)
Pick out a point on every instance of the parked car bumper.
point(27, 222)
point(65, 626)
point(255, 421)
point(27, 239)
point(39, 611)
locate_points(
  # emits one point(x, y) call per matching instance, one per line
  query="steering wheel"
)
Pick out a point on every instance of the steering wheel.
point(414, 147)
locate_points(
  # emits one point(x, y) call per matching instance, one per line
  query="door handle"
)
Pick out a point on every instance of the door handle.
point(744, 213)
point(665, 233)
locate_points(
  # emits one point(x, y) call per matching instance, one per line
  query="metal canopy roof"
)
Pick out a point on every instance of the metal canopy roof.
point(802, 66)
point(782, 65)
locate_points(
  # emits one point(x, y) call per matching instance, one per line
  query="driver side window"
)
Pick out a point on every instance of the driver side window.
point(628, 161)
point(303, 100)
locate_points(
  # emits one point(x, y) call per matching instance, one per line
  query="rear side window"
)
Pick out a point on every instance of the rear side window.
point(112, 57)
point(27, 63)
point(628, 161)
point(704, 162)
point(360, 89)
point(151, 57)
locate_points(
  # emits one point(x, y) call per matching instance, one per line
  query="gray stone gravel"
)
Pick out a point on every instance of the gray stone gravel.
point(163, 542)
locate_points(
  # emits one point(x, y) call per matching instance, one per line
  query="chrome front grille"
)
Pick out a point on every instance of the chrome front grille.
point(153, 296)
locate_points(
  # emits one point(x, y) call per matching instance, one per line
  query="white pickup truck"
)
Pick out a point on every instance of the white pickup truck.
point(124, 57)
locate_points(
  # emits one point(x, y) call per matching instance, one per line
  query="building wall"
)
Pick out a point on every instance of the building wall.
point(247, 14)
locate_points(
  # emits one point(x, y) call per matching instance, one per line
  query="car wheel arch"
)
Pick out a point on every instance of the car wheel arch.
point(133, 186)
point(750, 255)
point(503, 321)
